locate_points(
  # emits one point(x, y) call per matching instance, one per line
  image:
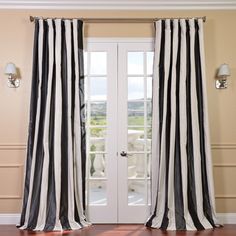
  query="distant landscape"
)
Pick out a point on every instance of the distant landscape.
point(135, 117)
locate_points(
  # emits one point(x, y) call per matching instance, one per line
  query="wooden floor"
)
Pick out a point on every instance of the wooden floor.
point(120, 230)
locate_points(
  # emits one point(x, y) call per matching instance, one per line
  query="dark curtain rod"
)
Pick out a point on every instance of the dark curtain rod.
point(119, 20)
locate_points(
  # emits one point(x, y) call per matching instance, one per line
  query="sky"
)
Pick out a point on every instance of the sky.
point(135, 75)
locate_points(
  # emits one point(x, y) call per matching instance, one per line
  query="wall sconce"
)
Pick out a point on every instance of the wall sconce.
point(221, 77)
point(10, 70)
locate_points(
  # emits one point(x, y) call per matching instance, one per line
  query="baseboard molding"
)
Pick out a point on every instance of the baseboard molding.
point(227, 218)
point(13, 219)
point(9, 219)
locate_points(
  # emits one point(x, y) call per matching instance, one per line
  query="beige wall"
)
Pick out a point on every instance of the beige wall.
point(16, 37)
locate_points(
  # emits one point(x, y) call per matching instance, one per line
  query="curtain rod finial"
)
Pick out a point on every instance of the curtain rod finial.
point(31, 19)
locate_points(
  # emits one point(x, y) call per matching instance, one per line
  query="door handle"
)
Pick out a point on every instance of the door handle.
point(124, 154)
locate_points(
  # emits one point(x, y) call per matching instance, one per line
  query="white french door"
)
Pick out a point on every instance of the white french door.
point(118, 100)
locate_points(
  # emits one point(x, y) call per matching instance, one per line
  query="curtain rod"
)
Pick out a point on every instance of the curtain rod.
point(120, 20)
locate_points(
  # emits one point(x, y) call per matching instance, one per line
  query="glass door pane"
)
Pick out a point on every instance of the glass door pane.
point(100, 65)
point(134, 105)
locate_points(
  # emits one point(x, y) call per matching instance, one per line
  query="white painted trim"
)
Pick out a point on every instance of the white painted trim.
point(13, 219)
point(227, 218)
point(119, 4)
point(9, 219)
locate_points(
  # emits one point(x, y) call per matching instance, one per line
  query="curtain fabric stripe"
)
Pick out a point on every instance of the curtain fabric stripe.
point(55, 166)
point(182, 182)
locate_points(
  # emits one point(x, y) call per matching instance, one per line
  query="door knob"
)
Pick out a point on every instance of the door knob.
point(123, 154)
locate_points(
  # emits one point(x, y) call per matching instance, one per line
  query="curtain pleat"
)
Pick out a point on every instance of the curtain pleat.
point(182, 182)
point(54, 193)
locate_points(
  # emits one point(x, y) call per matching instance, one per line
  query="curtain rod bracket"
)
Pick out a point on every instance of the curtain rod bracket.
point(31, 18)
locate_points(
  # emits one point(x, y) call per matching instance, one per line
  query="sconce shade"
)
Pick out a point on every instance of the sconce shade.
point(10, 68)
point(223, 70)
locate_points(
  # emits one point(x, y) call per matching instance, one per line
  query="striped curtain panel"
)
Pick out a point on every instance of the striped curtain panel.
point(54, 193)
point(182, 180)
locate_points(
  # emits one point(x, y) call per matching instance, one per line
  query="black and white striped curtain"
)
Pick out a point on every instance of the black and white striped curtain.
point(54, 193)
point(182, 182)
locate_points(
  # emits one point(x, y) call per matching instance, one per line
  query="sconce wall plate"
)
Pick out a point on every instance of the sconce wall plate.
point(221, 84)
point(13, 83)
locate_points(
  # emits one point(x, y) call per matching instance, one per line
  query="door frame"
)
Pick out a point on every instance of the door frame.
point(112, 91)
